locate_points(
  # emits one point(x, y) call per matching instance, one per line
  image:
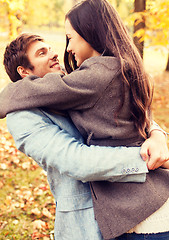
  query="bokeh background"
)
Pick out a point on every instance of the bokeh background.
point(147, 21)
point(27, 207)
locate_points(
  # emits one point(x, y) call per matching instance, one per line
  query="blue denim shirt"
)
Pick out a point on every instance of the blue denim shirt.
point(56, 145)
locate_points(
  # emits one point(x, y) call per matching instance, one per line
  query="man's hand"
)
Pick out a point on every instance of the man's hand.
point(154, 150)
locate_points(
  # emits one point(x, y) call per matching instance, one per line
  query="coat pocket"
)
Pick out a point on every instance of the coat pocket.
point(72, 203)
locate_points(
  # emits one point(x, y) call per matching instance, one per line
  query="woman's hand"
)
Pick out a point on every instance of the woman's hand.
point(155, 151)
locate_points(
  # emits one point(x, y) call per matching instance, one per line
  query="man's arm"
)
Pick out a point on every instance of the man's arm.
point(49, 145)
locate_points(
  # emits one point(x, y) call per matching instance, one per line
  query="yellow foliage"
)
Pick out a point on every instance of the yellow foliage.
point(156, 23)
point(14, 10)
point(15, 5)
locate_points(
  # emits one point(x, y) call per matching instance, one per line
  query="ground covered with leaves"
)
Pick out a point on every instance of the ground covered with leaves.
point(161, 100)
point(27, 207)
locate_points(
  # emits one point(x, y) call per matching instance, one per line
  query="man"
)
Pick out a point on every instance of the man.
point(52, 141)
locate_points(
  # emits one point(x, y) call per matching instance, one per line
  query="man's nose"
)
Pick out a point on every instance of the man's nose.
point(53, 55)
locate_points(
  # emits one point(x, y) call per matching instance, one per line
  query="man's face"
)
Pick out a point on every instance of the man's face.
point(42, 58)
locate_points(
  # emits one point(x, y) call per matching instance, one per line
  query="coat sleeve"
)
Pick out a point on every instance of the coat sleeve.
point(79, 90)
point(51, 146)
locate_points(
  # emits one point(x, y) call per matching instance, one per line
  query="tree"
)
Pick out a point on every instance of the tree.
point(156, 30)
point(15, 13)
point(167, 67)
point(139, 24)
point(41, 13)
point(14, 10)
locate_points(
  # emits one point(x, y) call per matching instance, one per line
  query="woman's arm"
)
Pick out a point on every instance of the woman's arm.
point(61, 92)
point(154, 150)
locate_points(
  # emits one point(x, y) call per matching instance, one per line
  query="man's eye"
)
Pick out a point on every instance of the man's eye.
point(41, 53)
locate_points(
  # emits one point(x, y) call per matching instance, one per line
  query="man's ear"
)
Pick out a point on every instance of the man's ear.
point(23, 72)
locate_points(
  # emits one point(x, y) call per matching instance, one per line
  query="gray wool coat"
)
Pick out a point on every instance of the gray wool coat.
point(91, 95)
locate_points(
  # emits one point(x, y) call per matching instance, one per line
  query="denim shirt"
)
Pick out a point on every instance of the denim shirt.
point(56, 145)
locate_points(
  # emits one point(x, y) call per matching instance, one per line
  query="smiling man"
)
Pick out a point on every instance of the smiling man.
point(30, 55)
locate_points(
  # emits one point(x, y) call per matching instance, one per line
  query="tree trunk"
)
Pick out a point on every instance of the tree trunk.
point(167, 68)
point(139, 6)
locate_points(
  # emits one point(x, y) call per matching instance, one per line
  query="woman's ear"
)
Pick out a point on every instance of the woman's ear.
point(23, 72)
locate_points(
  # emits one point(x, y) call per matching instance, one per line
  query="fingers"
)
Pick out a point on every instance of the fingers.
point(156, 162)
point(144, 155)
point(144, 152)
point(155, 153)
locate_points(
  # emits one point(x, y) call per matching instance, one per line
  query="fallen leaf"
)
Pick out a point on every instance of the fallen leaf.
point(26, 165)
point(1, 184)
point(8, 200)
point(35, 211)
point(3, 224)
point(46, 213)
point(38, 224)
point(3, 166)
point(46, 238)
point(15, 222)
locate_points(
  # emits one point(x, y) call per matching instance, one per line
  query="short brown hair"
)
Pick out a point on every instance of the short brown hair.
point(15, 55)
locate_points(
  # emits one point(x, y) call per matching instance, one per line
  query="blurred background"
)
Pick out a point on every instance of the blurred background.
point(147, 21)
point(27, 207)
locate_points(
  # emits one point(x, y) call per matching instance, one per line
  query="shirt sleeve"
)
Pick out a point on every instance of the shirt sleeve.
point(49, 145)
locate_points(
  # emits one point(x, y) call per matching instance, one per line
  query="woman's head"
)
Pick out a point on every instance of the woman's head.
point(79, 48)
point(98, 23)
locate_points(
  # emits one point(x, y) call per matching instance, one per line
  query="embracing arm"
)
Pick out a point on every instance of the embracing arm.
point(155, 150)
point(73, 91)
point(50, 146)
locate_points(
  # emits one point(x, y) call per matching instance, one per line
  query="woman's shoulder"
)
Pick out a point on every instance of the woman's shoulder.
point(98, 68)
point(103, 62)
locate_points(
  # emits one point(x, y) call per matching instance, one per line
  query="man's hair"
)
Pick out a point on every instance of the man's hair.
point(16, 55)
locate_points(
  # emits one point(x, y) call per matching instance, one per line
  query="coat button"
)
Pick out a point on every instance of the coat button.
point(123, 171)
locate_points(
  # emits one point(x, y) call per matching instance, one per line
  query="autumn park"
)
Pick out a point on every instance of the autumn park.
point(27, 207)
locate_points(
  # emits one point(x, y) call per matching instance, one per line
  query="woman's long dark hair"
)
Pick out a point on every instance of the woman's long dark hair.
point(100, 25)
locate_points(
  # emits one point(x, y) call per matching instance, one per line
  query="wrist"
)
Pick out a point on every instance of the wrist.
point(155, 128)
point(157, 132)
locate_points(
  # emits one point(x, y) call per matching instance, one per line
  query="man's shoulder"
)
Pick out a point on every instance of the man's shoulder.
point(32, 115)
point(21, 121)
point(25, 113)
